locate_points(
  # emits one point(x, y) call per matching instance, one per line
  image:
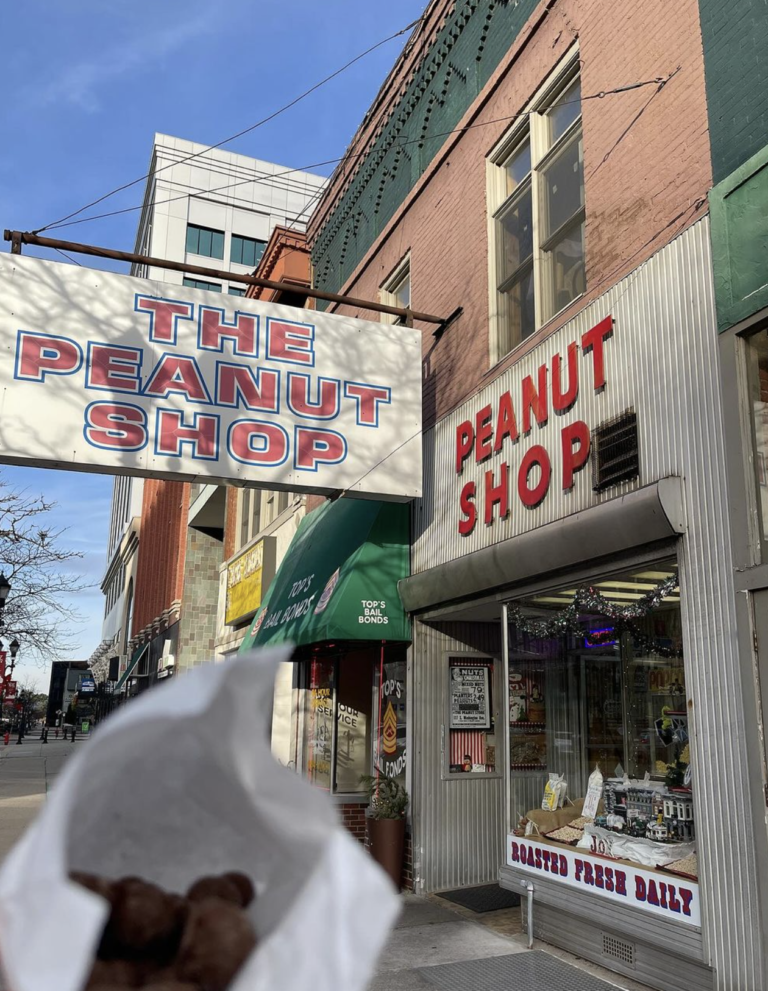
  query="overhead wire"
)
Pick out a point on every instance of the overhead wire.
point(239, 134)
point(66, 222)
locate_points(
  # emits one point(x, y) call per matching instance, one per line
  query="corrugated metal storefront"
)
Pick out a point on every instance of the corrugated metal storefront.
point(662, 362)
point(450, 811)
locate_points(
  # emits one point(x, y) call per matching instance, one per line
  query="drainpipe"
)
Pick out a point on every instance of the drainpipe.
point(528, 885)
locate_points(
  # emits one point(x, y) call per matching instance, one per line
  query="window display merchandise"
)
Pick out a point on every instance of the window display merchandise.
point(598, 722)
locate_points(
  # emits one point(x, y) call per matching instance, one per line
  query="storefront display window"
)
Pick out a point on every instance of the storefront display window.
point(598, 722)
point(352, 718)
point(757, 353)
point(471, 729)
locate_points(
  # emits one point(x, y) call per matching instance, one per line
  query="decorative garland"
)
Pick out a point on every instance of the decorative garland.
point(590, 599)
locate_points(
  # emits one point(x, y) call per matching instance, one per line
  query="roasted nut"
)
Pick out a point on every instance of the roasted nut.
point(218, 938)
point(114, 973)
point(244, 885)
point(145, 919)
point(215, 887)
point(171, 986)
point(92, 882)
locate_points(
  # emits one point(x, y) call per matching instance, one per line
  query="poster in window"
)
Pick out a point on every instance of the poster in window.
point(390, 756)
point(470, 697)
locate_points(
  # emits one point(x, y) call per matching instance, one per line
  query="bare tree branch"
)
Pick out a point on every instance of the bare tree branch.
point(39, 612)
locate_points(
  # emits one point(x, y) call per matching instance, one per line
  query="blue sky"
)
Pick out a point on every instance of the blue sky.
point(87, 84)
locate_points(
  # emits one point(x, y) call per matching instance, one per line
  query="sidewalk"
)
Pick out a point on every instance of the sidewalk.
point(26, 774)
point(439, 945)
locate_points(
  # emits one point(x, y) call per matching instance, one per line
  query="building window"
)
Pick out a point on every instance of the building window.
point(236, 291)
point(204, 241)
point(536, 193)
point(396, 291)
point(199, 284)
point(246, 250)
point(471, 716)
point(598, 719)
point(250, 515)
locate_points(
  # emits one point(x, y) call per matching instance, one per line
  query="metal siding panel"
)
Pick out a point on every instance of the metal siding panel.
point(663, 361)
point(459, 822)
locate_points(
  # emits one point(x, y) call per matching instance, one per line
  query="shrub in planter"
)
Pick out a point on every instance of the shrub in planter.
point(386, 823)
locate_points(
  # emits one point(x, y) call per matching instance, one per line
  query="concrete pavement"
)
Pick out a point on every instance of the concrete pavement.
point(437, 945)
point(26, 773)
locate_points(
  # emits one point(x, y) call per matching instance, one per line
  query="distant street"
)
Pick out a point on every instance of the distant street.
point(26, 774)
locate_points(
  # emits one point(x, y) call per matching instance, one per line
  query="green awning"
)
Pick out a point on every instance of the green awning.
point(338, 580)
point(137, 656)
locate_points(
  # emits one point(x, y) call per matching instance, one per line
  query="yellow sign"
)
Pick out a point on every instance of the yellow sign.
point(244, 580)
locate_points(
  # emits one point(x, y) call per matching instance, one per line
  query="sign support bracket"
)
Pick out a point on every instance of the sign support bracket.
point(17, 238)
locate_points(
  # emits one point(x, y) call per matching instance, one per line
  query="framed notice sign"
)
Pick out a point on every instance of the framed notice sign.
point(470, 701)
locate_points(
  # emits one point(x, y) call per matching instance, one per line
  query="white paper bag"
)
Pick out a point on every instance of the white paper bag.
point(179, 784)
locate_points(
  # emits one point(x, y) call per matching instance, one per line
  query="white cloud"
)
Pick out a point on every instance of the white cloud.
point(80, 84)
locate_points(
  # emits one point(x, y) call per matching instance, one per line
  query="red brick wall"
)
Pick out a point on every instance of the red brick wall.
point(353, 819)
point(646, 163)
point(160, 566)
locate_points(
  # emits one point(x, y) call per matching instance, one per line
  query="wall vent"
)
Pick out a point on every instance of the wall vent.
point(619, 949)
point(614, 451)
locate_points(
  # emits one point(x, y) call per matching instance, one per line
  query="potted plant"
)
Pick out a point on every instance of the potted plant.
point(386, 823)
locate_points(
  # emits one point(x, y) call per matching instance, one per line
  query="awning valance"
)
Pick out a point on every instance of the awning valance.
point(338, 580)
point(137, 656)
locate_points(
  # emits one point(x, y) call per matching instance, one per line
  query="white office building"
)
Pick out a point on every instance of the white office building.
point(217, 209)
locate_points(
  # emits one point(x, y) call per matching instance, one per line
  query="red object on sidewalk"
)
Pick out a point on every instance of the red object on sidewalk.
point(6, 738)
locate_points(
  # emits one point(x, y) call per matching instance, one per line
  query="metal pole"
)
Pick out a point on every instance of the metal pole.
point(18, 238)
point(529, 888)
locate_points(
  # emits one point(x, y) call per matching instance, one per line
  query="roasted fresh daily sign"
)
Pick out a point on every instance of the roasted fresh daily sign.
point(104, 372)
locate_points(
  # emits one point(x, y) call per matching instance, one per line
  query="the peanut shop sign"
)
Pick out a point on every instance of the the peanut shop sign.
point(532, 439)
point(104, 372)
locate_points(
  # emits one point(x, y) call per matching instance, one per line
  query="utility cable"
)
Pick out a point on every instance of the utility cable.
point(66, 222)
point(239, 134)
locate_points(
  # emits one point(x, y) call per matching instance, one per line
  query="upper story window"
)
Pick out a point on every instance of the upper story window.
point(204, 241)
point(236, 291)
point(199, 284)
point(396, 291)
point(536, 196)
point(258, 508)
point(246, 250)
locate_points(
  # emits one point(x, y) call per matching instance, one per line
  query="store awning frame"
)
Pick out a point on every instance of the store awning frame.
point(137, 656)
point(338, 579)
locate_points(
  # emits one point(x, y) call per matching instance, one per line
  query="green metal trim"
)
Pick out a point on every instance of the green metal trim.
point(739, 249)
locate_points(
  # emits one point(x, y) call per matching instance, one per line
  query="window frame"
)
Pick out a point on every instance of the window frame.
point(200, 228)
point(190, 283)
point(533, 127)
point(243, 239)
point(495, 685)
point(391, 285)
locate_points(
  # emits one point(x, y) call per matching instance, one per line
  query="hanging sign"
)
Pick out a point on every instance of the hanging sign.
point(667, 895)
point(470, 700)
point(110, 373)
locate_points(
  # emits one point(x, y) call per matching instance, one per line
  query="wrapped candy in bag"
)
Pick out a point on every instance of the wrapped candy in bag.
point(179, 785)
